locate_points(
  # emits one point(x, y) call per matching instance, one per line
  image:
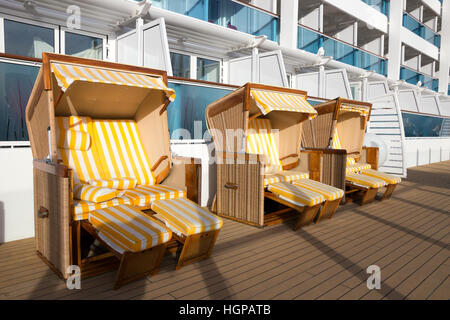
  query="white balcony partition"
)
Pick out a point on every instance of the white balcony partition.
point(327, 84)
point(146, 46)
point(265, 68)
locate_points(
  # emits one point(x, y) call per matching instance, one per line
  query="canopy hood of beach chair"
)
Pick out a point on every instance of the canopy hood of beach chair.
point(72, 86)
point(105, 90)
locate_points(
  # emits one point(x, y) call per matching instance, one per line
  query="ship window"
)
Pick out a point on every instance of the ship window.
point(28, 40)
point(181, 65)
point(83, 46)
point(208, 70)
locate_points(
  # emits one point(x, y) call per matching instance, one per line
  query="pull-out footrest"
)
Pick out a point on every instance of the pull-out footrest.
point(305, 201)
point(367, 185)
point(195, 227)
point(391, 181)
point(139, 241)
point(331, 194)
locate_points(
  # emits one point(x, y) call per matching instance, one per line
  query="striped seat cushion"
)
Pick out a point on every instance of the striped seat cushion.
point(356, 167)
point(83, 207)
point(126, 229)
point(284, 176)
point(120, 150)
point(185, 217)
point(389, 178)
point(144, 195)
point(328, 192)
point(93, 194)
point(115, 183)
point(296, 195)
point(365, 181)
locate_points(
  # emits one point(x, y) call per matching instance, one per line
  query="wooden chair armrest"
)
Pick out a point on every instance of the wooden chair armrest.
point(240, 158)
point(326, 151)
point(56, 169)
point(370, 156)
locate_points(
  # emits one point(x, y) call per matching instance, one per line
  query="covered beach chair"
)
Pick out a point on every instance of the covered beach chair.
point(257, 132)
point(341, 125)
point(103, 172)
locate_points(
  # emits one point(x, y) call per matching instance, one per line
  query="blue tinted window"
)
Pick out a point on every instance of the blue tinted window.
point(417, 125)
point(181, 65)
point(16, 82)
point(208, 70)
point(188, 110)
point(84, 46)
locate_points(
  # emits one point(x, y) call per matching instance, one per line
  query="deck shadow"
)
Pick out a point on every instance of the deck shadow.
point(347, 264)
point(401, 228)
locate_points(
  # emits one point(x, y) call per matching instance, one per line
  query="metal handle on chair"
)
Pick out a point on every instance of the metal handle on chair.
point(42, 212)
point(232, 186)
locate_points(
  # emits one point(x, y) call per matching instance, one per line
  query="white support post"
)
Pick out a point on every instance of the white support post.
point(193, 67)
point(140, 41)
point(395, 44)
point(444, 56)
point(288, 23)
point(255, 65)
point(2, 38)
point(321, 82)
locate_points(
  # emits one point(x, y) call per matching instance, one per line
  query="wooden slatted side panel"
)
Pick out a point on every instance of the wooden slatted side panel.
point(317, 132)
point(245, 202)
point(51, 192)
point(386, 123)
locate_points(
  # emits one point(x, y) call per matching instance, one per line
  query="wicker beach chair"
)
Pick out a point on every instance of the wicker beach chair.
point(100, 143)
point(257, 132)
point(340, 126)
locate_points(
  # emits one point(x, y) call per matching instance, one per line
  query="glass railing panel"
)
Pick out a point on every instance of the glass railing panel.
point(380, 5)
point(14, 94)
point(410, 76)
point(311, 41)
point(413, 77)
point(421, 30)
point(430, 83)
point(228, 14)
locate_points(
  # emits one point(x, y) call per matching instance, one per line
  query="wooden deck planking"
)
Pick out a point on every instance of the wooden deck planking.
point(407, 236)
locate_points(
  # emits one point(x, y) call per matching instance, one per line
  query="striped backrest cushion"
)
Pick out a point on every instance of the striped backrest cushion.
point(350, 161)
point(121, 152)
point(336, 143)
point(75, 140)
point(261, 140)
point(82, 159)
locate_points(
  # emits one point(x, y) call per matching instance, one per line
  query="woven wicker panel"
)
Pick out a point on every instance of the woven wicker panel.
point(333, 171)
point(52, 233)
point(246, 202)
point(231, 125)
point(317, 132)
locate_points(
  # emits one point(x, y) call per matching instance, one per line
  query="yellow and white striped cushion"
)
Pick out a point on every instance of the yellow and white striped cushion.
point(144, 195)
point(296, 195)
point(115, 183)
point(335, 142)
point(287, 176)
point(356, 167)
point(75, 140)
point(389, 178)
point(185, 217)
point(84, 163)
point(93, 194)
point(330, 193)
point(365, 181)
point(121, 152)
point(126, 229)
point(350, 160)
point(83, 207)
point(261, 140)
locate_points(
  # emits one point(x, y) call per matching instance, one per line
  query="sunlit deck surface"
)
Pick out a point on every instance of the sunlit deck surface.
point(406, 236)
